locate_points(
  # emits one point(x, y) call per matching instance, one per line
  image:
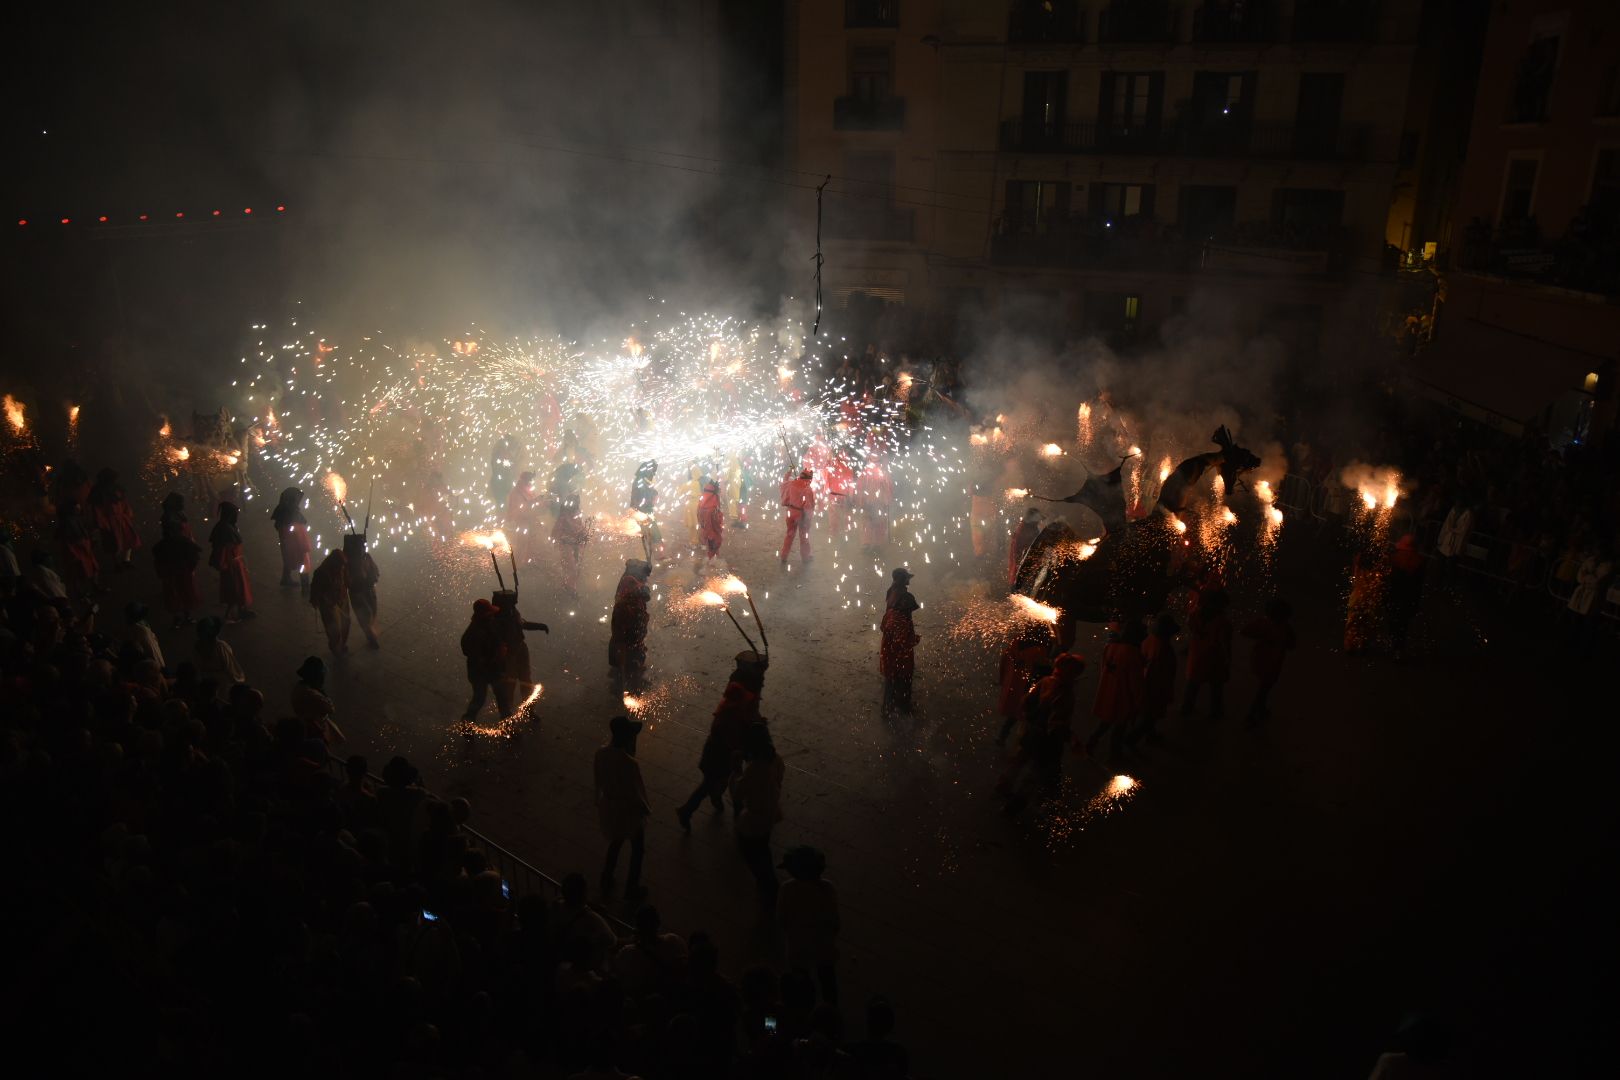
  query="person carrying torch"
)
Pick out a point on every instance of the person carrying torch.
point(799, 499)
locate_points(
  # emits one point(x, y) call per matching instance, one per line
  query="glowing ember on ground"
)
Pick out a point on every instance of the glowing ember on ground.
point(338, 487)
point(15, 415)
point(179, 454)
point(1119, 785)
point(1035, 609)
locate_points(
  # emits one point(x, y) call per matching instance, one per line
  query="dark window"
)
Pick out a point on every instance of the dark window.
point(1316, 118)
point(1132, 99)
point(1118, 202)
point(1518, 194)
point(1046, 20)
point(1407, 157)
point(1534, 82)
point(861, 13)
point(871, 72)
point(1137, 20)
point(1307, 210)
point(1036, 206)
point(1604, 203)
point(1045, 97)
point(1609, 94)
point(1220, 110)
point(1207, 209)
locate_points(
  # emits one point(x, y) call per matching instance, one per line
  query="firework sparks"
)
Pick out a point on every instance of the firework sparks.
point(1177, 524)
point(1034, 609)
point(16, 415)
point(1015, 494)
point(338, 487)
point(1166, 467)
point(1052, 450)
point(166, 430)
point(494, 540)
point(1083, 424)
point(632, 704)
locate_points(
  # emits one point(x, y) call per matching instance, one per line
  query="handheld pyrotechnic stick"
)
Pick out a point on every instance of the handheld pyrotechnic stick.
point(755, 611)
point(346, 516)
point(369, 490)
point(727, 609)
point(513, 559)
point(496, 563)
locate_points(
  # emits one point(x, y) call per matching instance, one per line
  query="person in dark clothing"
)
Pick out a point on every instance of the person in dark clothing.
point(1273, 636)
point(722, 750)
point(897, 651)
point(481, 645)
point(1404, 591)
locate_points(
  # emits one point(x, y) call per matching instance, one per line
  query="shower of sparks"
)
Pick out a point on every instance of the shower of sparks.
point(1052, 449)
point(337, 487)
point(632, 704)
point(1177, 524)
point(1083, 424)
point(1015, 494)
point(1166, 467)
point(1035, 610)
point(494, 540)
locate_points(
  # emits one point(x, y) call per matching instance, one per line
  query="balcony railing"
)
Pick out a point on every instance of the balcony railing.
point(1033, 22)
point(869, 114)
point(861, 14)
point(1136, 23)
point(1144, 244)
point(862, 219)
point(1249, 141)
point(1586, 258)
point(1228, 23)
point(1335, 20)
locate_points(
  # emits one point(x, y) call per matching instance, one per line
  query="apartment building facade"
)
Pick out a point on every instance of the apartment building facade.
point(1530, 330)
point(1091, 167)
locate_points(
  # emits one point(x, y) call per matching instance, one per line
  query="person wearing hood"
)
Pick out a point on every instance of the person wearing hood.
point(1118, 704)
point(310, 705)
point(897, 651)
point(711, 520)
point(644, 501)
point(1023, 538)
point(363, 578)
point(1158, 677)
point(1019, 660)
point(141, 635)
point(1049, 710)
point(235, 589)
point(176, 555)
point(1273, 637)
point(722, 750)
point(482, 646)
point(570, 534)
point(329, 594)
point(78, 549)
point(292, 532)
point(523, 518)
point(114, 518)
point(621, 804)
point(799, 500)
point(215, 657)
point(627, 641)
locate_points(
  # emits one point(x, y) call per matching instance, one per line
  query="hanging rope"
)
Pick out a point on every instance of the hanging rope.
point(818, 259)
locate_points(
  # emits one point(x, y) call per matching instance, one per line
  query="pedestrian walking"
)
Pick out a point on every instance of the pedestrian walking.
point(807, 912)
point(329, 594)
point(621, 804)
point(1158, 677)
point(363, 578)
point(757, 794)
point(1209, 652)
point(176, 555)
point(711, 518)
point(1273, 637)
point(481, 645)
point(570, 533)
point(292, 533)
point(1118, 704)
point(235, 589)
point(516, 668)
point(81, 568)
point(627, 641)
point(799, 500)
point(897, 651)
point(722, 750)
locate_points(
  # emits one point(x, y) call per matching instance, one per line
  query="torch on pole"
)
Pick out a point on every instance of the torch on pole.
point(496, 563)
point(757, 622)
point(727, 609)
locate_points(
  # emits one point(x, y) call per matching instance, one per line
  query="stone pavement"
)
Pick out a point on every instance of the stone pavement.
point(1263, 904)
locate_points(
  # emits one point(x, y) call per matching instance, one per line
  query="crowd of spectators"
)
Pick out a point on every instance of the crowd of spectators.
point(195, 887)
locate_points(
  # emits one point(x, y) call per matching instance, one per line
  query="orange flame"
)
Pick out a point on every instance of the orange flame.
point(633, 704)
point(1034, 609)
point(1018, 493)
point(15, 415)
point(1178, 525)
point(1052, 449)
point(338, 487)
point(166, 430)
point(495, 541)
point(73, 414)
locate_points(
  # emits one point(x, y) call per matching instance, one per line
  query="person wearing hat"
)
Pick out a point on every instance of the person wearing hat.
point(722, 750)
point(215, 658)
point(621, 803)
point(711, 520)
point(627, 640)
point(1158, 677)
point(141, 635)
point(898, 651)
point(1023, 538)
point(310, 705)
point(799, 500)
point(1118, 703)
point(292, 531)
point(807, 912)
point(235, 590)
point(481, 645)
point(329, 594)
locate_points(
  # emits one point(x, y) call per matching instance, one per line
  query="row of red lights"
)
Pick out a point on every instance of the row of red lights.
point(103, 219)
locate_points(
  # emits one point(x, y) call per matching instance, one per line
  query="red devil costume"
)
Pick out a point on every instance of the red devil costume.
point(177, 554)
point(711, 519)
point(292, 530)
point(114, 518)
point(898, 651)
point(799, 499)
point(235, 590)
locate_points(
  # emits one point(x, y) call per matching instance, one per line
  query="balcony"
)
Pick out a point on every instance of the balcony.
point(1586, 258)
point(1033, 22)
point(1123, 23)
point(869, 114)
point(1274, 249)
point(871, 14)
point(1088, 243)
point(1245, 141)
point(1335, 20)
point(868, 219)
point(1227, 23)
